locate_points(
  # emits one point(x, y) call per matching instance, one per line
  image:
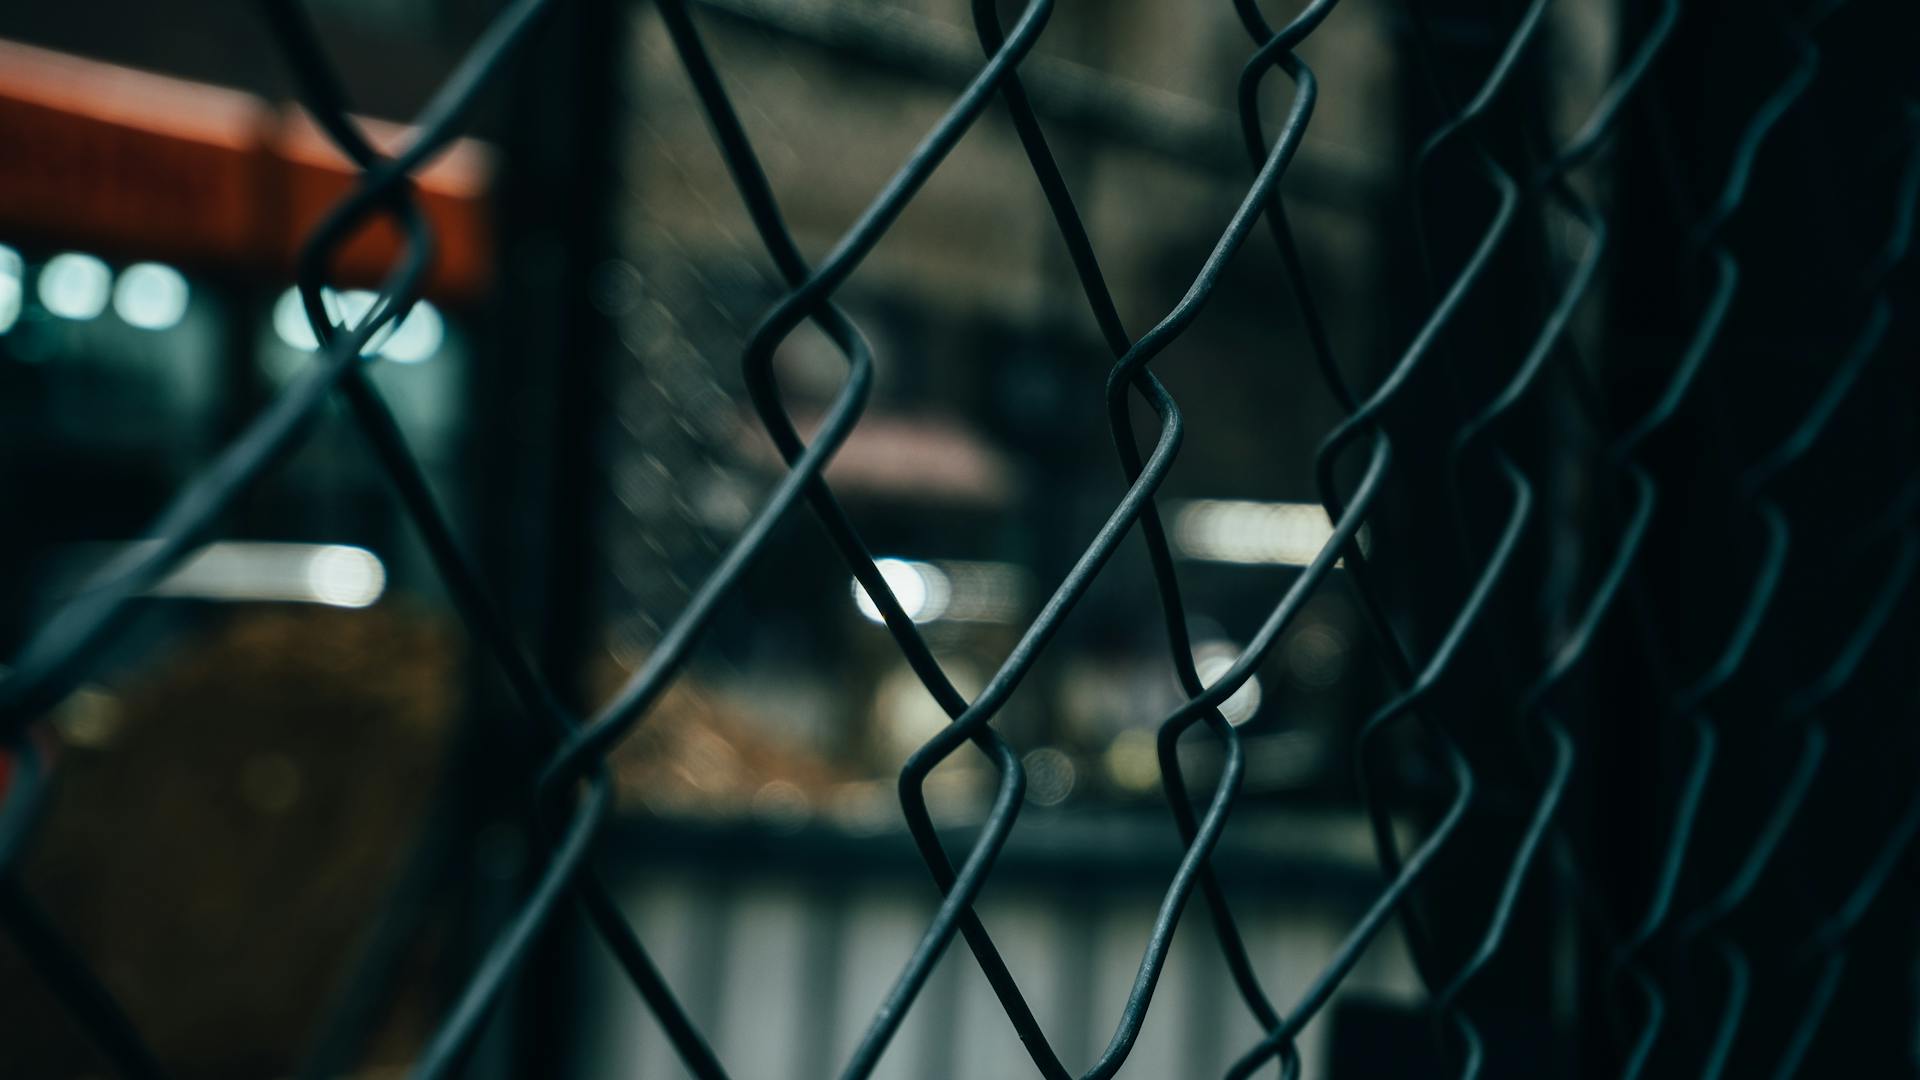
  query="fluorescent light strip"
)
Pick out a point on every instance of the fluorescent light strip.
point(336, 575)
point(1252, 533)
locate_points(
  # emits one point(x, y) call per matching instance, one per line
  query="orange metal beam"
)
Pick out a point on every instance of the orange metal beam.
point(131, 163)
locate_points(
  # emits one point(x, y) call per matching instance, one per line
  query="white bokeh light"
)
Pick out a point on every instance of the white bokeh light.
point(1213, 660)
point(75, 286)
point(348, 308)
point(338, 575)
point(290, 322)
point(418, 336)
point(342, 309)
point(151, 296)
point(1050, 776)
point(345, 576)
point(922, 589)
point(1252, 533)
point(13, 271)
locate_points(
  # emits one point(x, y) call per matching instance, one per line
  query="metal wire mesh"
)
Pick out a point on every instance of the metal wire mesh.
point(1498, 476)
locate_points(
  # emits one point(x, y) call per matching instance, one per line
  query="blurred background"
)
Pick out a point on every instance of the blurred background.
point(281, 725)
point(297, 731)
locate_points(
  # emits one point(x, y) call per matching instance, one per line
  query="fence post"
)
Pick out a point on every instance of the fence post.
point(537, 436)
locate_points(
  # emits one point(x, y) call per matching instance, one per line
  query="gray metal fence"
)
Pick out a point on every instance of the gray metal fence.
point(1647, 679)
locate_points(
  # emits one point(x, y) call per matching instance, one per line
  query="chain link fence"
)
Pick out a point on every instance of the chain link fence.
point(1629, 516)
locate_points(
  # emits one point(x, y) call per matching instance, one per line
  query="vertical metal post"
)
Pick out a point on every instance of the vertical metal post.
point(537, 416)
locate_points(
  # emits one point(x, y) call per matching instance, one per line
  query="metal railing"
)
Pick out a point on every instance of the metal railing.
point(1532, 706)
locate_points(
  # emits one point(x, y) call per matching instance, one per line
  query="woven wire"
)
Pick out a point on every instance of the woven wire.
point(573, 790)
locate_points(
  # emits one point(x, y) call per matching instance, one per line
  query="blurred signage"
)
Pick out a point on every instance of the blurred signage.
point(115, 160)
